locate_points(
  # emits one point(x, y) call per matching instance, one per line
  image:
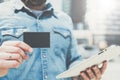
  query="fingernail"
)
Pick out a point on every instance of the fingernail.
point(30, 50)
point(26, 57)
point(88, 68)
point(93, 66)
point(104, 61)
point(81, 72)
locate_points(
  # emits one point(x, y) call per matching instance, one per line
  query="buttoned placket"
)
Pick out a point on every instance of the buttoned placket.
point(44, 63)
point(43, 53)
point(39, 27)
point(0, 37)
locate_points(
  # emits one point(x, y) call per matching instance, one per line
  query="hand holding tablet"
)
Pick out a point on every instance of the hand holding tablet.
point(106, 54)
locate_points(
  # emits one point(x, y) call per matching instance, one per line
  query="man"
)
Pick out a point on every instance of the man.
point(18, 16)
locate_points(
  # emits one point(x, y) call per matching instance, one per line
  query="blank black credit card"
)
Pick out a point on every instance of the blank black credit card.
point(37, 39)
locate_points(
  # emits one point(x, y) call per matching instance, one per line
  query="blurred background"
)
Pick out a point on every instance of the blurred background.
point(96, 26)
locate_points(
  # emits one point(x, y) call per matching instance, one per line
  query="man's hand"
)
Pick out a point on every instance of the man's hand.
point(93, 73)
point(11, 55)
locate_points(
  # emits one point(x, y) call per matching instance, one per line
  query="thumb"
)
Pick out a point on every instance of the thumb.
point(3, 72)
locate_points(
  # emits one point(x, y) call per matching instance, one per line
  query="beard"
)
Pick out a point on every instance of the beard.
point(34, 2)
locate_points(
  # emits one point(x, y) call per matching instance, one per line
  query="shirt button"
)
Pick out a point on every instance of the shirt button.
point(45, 77)
point(44, 56)
point(65, 34)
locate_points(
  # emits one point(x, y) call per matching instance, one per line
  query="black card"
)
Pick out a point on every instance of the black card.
point(37, 39)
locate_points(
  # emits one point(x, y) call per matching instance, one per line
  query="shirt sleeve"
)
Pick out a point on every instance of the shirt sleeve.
point(73, 57)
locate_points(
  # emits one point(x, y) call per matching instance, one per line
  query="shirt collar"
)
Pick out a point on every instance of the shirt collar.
point(18, 4)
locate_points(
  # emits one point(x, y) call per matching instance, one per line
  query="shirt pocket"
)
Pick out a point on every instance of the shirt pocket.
point(62, 31)
point(12, 33)
point(60, 41)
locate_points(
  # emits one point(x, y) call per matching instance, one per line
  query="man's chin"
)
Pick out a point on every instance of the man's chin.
point(36, 2)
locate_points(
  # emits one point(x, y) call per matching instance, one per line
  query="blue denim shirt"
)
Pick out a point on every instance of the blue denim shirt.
point(43, 63)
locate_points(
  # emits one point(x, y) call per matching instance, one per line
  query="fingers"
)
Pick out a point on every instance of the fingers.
point(6, 64)
point(16, 47)
point(94, 72)
point(90, 73)
point(84, 75)
point(103, 68)
point(97, 72)
point(9, 56)
point(19, 44)
point(12, 49)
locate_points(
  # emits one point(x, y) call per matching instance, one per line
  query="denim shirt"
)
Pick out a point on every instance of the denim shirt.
point(43, 63)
